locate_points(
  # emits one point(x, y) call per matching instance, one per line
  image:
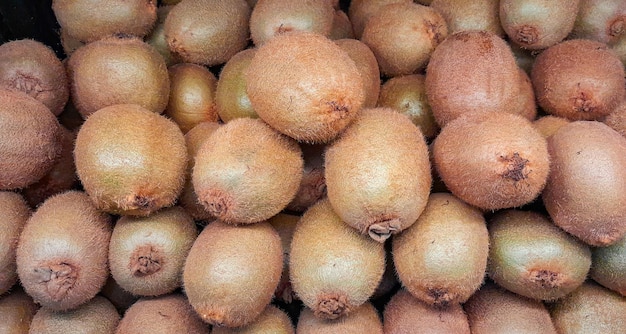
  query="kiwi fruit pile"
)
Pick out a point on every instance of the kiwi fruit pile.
point(319, 166)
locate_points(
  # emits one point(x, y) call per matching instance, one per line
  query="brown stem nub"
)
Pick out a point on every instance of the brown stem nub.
point(217, 203)
point(441, 298)
point(546, 279)
point(526, 35)
point(617, 27)
point(332, 306)
point(382, 230)
point(145, 260)
point(59, 278)
point(515, 167)
point(584, 103)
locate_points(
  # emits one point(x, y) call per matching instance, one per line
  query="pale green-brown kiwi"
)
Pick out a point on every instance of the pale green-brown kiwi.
point(271, 321)
point(609, 266)
point(462, 15)
point(231, 98)
point(601, 20)
point(97, 316)
point(156, 38)
point(16, 312)
point(362, 320)
point(14, 212)
point(360, 11)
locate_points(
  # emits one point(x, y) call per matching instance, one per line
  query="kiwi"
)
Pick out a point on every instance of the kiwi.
point(207, 32)
point(585, 193)
point(342, 27)
point(271, 321)
point(524, 58)
point(579, 80)
point(118, 71)
point(363, 320)
point(616, 119)
point(590, 309)
point(156, 38)
point(274, 17)
point(313, 184)
point(609, 266)
point(97, 316)
point(147, 254)
point(403, 36)
point(407, 95)
point(493, 310)
point(601, 20)
point(69, 43)
point(30, 137)
point(130, 160)
point(285, 225)
point(441, 259)
point(532, 257)
point(470, 15)
point(308, 98)
point(33, 68)
point(14, 212)
point(16, 312)
point(492, 160)
point(231, 272)
point(161, 315)
point(374, 200)
point(549, 125)
point(88, 21)
point(620, 49)
point(62, 251)
point(231, 98)
point(361, 10)
point(333, 268)
point(526, 106)
point(192, 95)
point(538, 24)
point(407, 314)
point(367, 65)
point(119, 297)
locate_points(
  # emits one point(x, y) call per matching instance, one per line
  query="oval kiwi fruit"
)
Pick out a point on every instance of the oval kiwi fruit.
point(119, 297)
point(63, 250)
point(367, 65)
point(549, 125)
point(374, 200)
point(130, 160)
point(620, 49)
point(156, 38)
point(585, 193)
point(617, 119)
point(609, 266)
point(97, 316)
point(310, 99)
point(342, 27)
point(313, 184)
point(601, 20)
point(463, 15)
point(362, 320)
point(16, 312)
point(147, 254)
point(33, 68)
point(285, 225)
point(271, 321)
point(359, 12)
point(231, 98)
point(333, 268)
point(14, 212)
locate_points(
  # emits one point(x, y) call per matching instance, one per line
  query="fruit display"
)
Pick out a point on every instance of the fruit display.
point(313, 166)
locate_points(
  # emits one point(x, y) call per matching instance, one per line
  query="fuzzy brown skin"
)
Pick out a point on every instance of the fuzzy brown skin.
point(493, 310)
point(313, 184)
point(538, 24)
point(609, 266)
point(14, 212)
point(492, 160)
point(342, 27)
point(247, 172)
point(231, 98)
point(617, 119)
point(601, 20)
point(403, 36)
point(63, 250)
point(578, 80)
point(471, 72)
point(285, 225)
point(526, 105)
point(192, 96)
point(549, 125)
point(333, 268)
point(157, 39)
point(532, 257)
point(91, 20)
point(207, 32)
point(585, 192)
point(620, 50)
point(30, 137)
point(363, 320)
point(271, 321)
point(165, 314)
point(147, 254)
point(118, 71)
point(97, 316)
point(16, 312)
point(120, 298)
point(442, 258)
point(470, 15)
point(361, 10)
point(305, 86)
point(69, 43)
point(374, 200)
point(590, 309)
point(130, 160)
point(524, 58)
point(270, 18)
point(231, 272)
point(367, 65)
point(389, 281)
point(33, 68)
point(407, 314)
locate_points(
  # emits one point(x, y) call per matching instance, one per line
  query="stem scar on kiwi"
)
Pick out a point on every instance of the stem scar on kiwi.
point(146, 260)
point(515, 167)
point(332, 306)
point(58, 278)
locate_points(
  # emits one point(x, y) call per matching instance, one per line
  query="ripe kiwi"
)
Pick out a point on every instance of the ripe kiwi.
point(147, 254)
point(119, 297)
point(164, 314)
point(33, 68)
point(247, 172)
point(620, 49)
point(407, 95)
point(231, 98)
point(130, 160)
point(16, 312)
point(362, 320)
point(507, 168)
point(88, 21)
point(538, 24)
point(207, 32)
point(579, 80)
point(601, 20)
point(441, 259)
point(69, 43)
point(97, 316)
point(549, 125)
point(526, 105)
point(285, 224)
point(14, 212)
point(461, 15)
point(118, 71)
point(333, 268)
point(406, 314)
point(609, 266)
point(30, 137)
point(403, 36)
point(308, 98)
point(617, 119)
point(342, 27)
point(367, 65)
point(361, 10)
point(493, 310)
point(271, 321)
point(192, 95)
point(374, 200)
point(62, 251)
point(585, 192)
point(156, 38)
point(313, 184)
point(231, 272)
point(270, 18)
point(532, 257)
